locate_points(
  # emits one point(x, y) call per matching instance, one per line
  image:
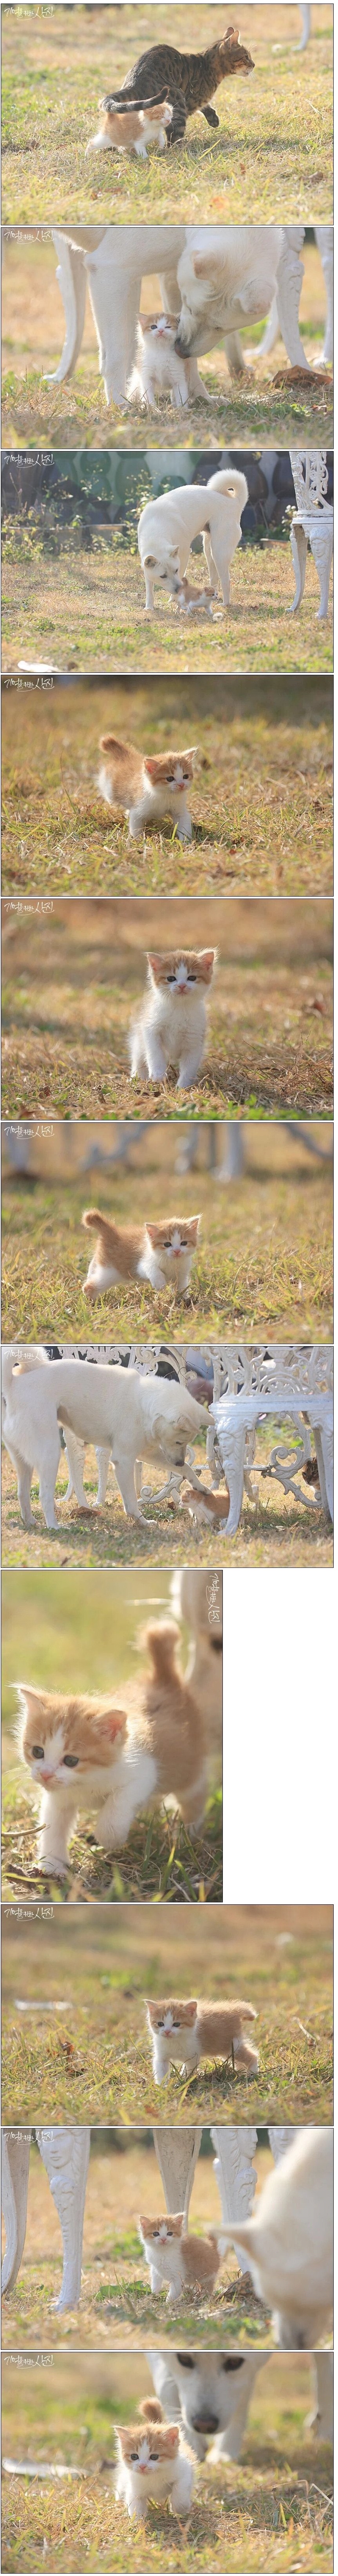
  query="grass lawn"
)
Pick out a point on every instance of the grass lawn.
point(74, 414)
point(72, 981)
point(261, 800)
point(264, 1260)
point(91, 2060)
point(274, 1530)
point(87, 611)
point(271, 158)
point(117, 2305)
point(254, 2514)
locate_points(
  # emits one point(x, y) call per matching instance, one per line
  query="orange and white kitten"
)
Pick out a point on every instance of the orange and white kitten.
point(203, 1505)
point(188, 2262)
point(148, 786)
point(162, 1253)
point(130, 128)
point(188, 2031)
point(153, 2463)
point(171, 1027)
point(89, 1753)
point(158, 369)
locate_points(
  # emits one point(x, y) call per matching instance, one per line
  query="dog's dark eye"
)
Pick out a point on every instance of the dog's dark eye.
point(186, 2360)
point(233, 2364)
point(70, 1761)
point(38, 1751)
point(216, 1643)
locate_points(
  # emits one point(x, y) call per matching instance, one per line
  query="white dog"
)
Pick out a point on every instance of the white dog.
point(209, 2394)
point(133, 1414)
point(197, 1598)
point(288, 2243)
point(168, 525)
point(225, 276)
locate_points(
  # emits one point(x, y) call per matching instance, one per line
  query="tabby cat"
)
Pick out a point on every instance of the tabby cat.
point(189, 79)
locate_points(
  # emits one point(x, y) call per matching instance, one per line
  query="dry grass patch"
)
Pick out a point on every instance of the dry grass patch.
point(275, 132)
point(261, 800)
point(93, 2060)
point(90, 608)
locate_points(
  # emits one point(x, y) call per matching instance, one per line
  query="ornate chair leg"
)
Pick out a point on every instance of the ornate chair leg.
point(324, 1454)
point(321, 542)
point(298, 543)
point(177, 2157)
point(14, 2188)
point(65, 2153)
point(324, 239)
point(235, 2174)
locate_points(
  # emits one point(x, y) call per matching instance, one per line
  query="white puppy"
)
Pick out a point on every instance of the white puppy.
point(288, 2241)
point(126, 1410)
point(168, 525)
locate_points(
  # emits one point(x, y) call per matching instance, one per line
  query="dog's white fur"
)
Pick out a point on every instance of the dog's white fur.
point(247, 269)
point(197, 1598)
point(211, 2401)
point(228, 276)
point(168, 525)
point(288, 2241)
point(133, 1415)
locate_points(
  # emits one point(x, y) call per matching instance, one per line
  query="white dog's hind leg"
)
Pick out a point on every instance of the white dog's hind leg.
point(209, 557)
point(103, 1458)
point(49, 1462)
point(24, 1480)
point(270, 335)
point(75, 1453)
point(115, 302)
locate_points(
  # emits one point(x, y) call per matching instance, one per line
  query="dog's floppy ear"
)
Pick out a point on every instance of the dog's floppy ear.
point(174, 551)
point(149, 562)
point(208, 263)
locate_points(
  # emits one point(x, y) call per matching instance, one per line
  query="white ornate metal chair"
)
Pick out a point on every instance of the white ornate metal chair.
point(284, 1382)
point(312, 522)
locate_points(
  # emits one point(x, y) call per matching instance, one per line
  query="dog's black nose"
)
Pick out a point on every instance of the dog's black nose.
point(205, 2423)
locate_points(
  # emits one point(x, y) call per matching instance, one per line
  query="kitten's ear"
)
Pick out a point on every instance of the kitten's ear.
point(192, 1223)
point(172, 2437)
point(207, 959)
point(155, 961)
point(111, 1723)
point(32, 1699)
point(151, 768)
point(191, 753)
point(192, 2008)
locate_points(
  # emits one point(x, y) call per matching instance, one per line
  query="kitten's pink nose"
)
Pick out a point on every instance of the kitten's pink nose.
point(176, 1251)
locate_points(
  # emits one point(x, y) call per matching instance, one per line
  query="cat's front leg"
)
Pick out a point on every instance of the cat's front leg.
point(57, 1817)
point(156, 2283)
point(173, 2295)
point(184, 827)
point(210, 115)
point(180, 2495)
point(189, 1070)
point(141, 150)
point(155, 1057)
point(161, 2067)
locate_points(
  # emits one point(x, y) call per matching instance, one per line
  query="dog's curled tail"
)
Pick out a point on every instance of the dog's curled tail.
point(229, 481)
point(161, 1639)
point(151, 2410)
point(93, 1216)
point(16, 1361)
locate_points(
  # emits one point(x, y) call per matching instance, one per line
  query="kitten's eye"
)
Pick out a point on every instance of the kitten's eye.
point(70, 1761)
point(156, 2231)
point(154, 2456)
point(160, 2025)
point(192, 979)
point(134, 2455)
point(169, 2231)
point(38, 1752)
